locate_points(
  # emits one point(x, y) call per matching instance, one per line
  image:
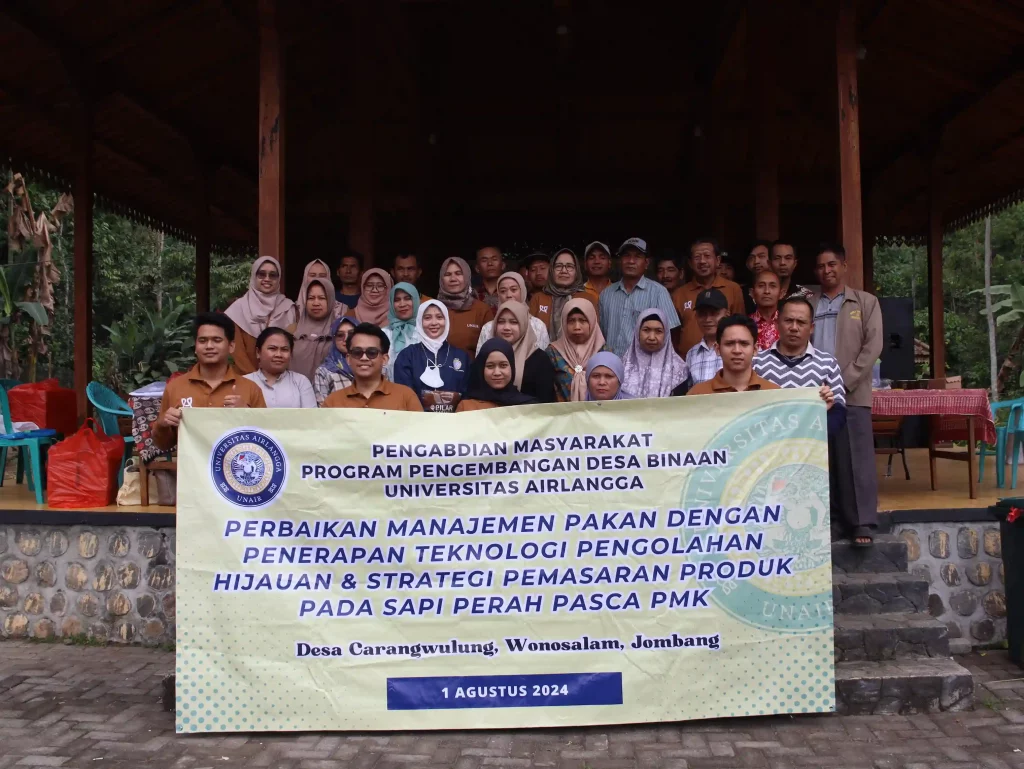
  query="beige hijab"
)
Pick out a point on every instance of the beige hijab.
point(577, 355)
point(255, 311)
point(518, 279)
point(374, 312)
point(526, 344)
point(313, 338)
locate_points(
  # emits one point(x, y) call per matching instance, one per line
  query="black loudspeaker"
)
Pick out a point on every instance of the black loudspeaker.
point(898, 359)
point(898, 338)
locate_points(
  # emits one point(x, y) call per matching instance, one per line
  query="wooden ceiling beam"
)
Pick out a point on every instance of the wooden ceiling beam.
point(60, 123)
point(937, 122)
point(918, 190)
point(105, 81)
point(138, 33)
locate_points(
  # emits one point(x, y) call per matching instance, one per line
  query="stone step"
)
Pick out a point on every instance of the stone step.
point(889, 636)
point(909, 685)
point(878, 593)
point(888, 554)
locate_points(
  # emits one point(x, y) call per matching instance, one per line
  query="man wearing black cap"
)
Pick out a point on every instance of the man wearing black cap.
point(703, 359)
point(597, 261)
point(625, 300)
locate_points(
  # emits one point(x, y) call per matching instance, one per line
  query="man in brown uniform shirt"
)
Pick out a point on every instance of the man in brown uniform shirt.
point(367, 354)
point(737, 343)
point(704, 262)
point(212, 382)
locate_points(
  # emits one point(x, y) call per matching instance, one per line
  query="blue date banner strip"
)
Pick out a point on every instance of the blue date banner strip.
point(533, 691)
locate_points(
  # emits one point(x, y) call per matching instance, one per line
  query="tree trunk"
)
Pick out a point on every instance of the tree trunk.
point(1010, 363)
point(988, 310)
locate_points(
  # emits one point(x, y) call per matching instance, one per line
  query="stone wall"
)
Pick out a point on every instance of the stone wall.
point(964, 563)
point(109, 583)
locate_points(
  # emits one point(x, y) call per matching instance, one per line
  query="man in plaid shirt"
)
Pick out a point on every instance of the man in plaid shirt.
point(703, 359)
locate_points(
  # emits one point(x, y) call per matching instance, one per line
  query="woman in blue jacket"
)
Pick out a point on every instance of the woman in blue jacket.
point(437, 372)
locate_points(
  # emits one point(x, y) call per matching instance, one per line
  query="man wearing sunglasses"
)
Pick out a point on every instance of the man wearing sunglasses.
point(367, 353)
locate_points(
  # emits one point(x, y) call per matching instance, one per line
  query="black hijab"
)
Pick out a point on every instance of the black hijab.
point(478, 387)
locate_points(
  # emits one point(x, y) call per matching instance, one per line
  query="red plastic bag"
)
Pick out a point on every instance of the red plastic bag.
point(46, 403)
point(82, 470)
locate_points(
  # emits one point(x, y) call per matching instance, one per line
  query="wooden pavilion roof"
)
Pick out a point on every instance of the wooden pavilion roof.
point(559, 106)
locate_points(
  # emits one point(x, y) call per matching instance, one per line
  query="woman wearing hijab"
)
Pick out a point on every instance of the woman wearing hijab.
point(565, 282)
point(334, 373)
point(492, 379)
point(403, 310)
point(373, 304)
point(511, 285)
point(581, 339)
point(653, 369)
point(466, 314)
point(604, 378)
point(535, 376)
point(435, 370)
point(262, 306)
point(312, 331)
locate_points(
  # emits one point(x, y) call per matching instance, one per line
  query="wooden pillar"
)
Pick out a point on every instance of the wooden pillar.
point(850, 224)
point(83, 263)
point(272, 133)
point(763, 123)
point(936, 306)
point(360, 227)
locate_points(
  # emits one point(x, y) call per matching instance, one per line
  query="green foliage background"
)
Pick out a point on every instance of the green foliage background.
point(137, 270)
point(902, 271)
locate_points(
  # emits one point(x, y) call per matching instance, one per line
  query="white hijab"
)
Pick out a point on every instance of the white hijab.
point(432, 344)
point(431, 375)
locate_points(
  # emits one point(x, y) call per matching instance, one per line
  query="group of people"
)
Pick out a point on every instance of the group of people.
point(557, 329)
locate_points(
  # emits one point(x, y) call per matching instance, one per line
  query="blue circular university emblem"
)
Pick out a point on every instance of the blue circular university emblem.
point(248, 468)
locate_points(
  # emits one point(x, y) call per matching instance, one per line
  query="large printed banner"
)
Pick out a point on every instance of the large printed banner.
point(565, 564)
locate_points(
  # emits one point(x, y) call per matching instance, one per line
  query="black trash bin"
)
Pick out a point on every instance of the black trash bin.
point(1012, 532)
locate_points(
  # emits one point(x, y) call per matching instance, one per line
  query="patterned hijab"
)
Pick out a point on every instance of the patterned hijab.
point(403, 332)
point(578, 355)
point(652, 374)
point(255, 311)
point(375, 312)
point(526, 344)
point(336, 360)
point(508, 395)
point(608, 360)
point(561, 294)
point(462, 300)
point(313, 338)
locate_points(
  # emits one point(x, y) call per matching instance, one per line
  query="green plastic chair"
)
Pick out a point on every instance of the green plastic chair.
point(1014, 426)
point(109, 406)
point(34, 442)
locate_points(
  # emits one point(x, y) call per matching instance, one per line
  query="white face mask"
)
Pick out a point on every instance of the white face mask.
point(431, 376)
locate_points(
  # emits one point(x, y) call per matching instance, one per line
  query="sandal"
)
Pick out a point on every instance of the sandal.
point(862, 536)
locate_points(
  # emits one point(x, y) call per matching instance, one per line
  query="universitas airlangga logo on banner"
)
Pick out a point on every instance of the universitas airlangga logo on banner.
point(248, 468)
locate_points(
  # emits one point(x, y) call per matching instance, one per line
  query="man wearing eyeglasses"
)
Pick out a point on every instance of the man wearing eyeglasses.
point(368, 349)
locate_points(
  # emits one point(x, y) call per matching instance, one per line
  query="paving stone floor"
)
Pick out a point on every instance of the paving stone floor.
point(68, 706)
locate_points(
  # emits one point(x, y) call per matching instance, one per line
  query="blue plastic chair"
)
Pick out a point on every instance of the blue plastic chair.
point(109, 406)
point(1014, 427)
point(35, 442)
